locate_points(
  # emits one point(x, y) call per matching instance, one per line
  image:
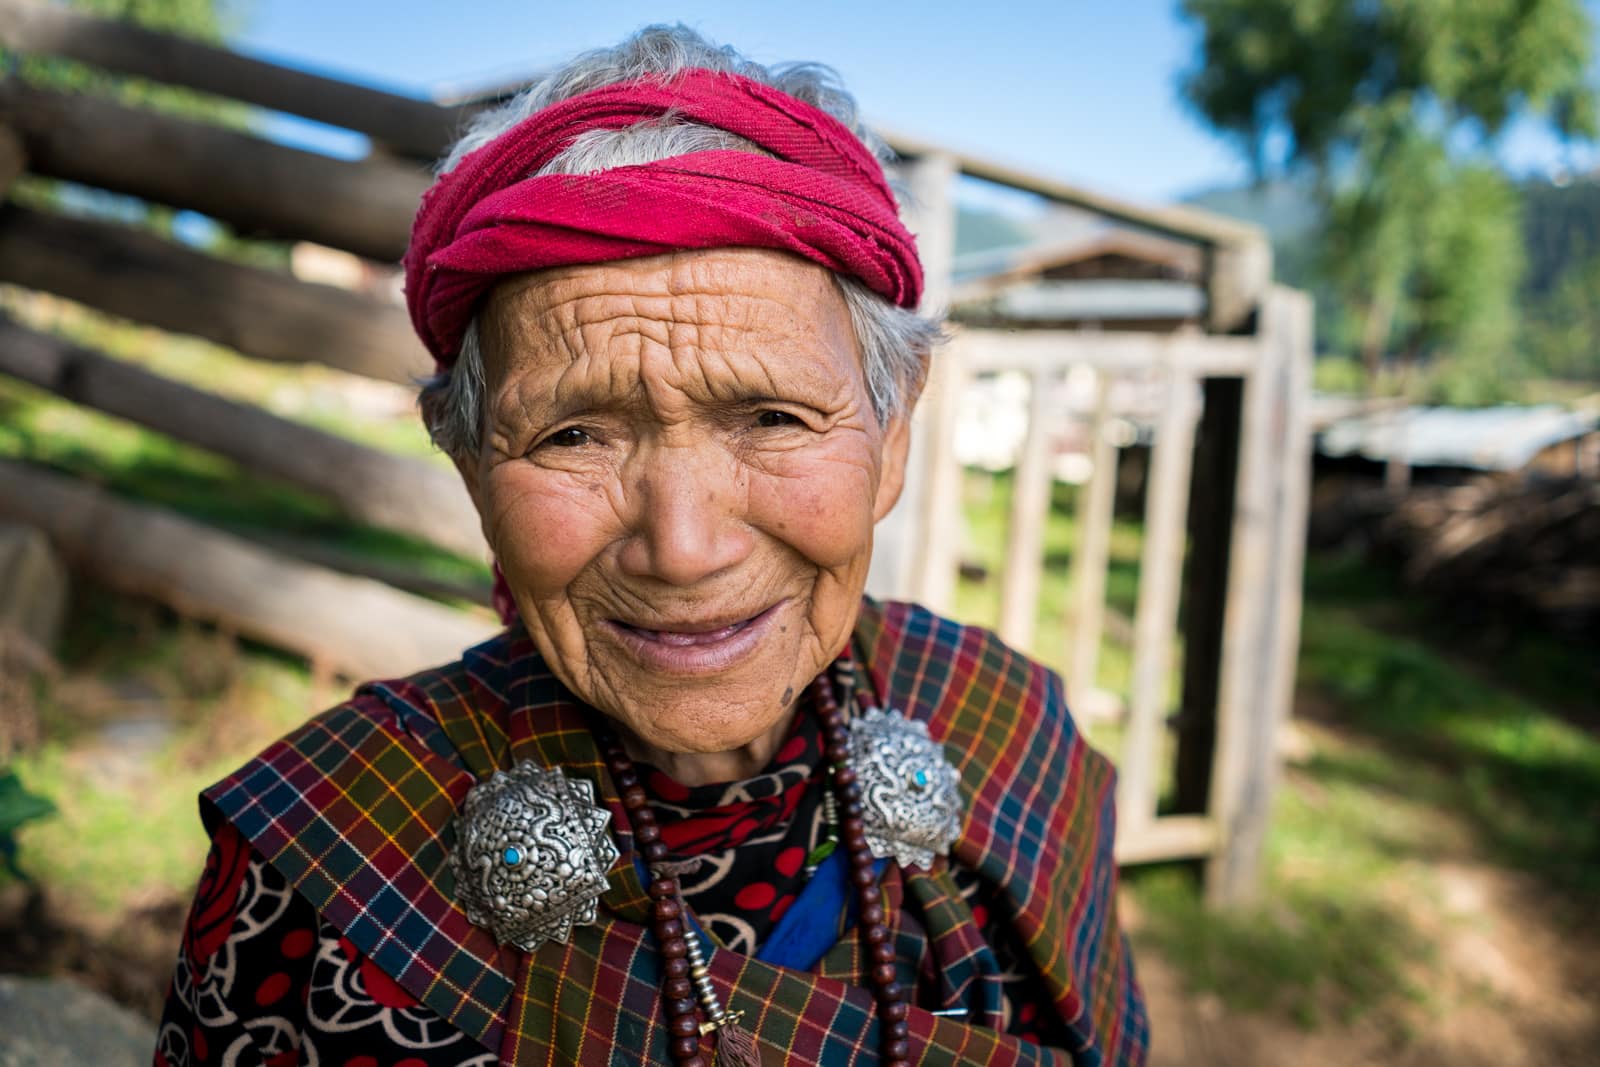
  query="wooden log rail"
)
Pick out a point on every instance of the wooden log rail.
point(260, 313)
point(354, 625)
point(264, 189)
point(412, 127)
point(366, 484)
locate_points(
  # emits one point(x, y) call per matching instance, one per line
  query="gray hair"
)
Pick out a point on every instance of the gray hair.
point(895, 343)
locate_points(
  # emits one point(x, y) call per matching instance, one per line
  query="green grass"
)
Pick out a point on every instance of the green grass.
point(1427, 735)
point(1422, 757)
point(142, 465)
point(126, 828)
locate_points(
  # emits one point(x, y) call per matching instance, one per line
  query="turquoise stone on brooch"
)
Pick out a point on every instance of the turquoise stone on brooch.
point(531, 855)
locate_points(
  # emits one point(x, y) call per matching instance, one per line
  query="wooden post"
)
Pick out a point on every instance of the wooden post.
point(261, 313)
point(363, 207)
point(422, 499)
point(413, 127)
point(13, 159)
point(904, 563)
point(1030, 510)
point(359, 626)
point(1092, 554)
point(1262, 621)
point(1156, 618)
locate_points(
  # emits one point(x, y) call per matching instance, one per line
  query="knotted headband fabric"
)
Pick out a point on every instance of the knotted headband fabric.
point(820, 195)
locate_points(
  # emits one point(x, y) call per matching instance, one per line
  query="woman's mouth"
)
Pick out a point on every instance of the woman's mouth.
point(695, 646)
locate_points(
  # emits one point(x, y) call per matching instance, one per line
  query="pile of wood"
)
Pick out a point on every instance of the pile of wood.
point(336, 612)
point(1521, 548)
point(1532, 547)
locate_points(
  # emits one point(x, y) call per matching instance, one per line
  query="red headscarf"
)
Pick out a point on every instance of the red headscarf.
point(820, 195)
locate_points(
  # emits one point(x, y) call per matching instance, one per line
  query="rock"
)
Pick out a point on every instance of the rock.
point(33, 586)
point(51, 1022)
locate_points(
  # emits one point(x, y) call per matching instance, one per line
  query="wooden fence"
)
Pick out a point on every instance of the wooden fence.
point(1228, 472)
point(1223, 531)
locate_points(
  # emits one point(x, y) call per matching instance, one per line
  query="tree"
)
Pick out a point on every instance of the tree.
point(1563, 328)
point(1394, 107)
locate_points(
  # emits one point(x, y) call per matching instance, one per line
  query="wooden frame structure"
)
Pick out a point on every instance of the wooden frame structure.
point(1230, 455)
point(1223, 528)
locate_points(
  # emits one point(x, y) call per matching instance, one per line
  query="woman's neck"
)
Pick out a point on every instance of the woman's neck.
point(705, 768)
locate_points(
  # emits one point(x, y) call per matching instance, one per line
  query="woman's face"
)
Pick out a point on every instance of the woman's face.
point(680, 475)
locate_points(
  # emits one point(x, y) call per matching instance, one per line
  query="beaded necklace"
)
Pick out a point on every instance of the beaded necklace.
point(686, 986)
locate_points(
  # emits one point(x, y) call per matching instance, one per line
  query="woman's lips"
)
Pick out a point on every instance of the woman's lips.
point(695, 648)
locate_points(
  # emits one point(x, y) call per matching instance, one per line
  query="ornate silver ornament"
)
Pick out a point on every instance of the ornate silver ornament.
point(910, 793)
point(531, 856)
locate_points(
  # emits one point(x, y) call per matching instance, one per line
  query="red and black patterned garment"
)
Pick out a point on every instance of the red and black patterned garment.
point(262, 980)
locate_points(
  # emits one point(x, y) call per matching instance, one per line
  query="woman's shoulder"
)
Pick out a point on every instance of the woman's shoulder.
point(937, 669)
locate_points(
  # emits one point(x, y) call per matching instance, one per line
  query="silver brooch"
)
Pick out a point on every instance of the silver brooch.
point(910, 793)
point(531, 854)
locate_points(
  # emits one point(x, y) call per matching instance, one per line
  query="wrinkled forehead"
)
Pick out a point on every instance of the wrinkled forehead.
point(700, 313)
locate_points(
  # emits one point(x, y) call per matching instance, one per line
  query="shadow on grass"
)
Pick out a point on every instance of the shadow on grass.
point(1312, 955)
point(1526, 779)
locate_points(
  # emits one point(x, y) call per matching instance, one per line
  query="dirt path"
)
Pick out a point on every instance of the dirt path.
point(1515, 983)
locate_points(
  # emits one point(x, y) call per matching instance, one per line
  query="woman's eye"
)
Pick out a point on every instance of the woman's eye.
point(571, 437)
point(769, 419)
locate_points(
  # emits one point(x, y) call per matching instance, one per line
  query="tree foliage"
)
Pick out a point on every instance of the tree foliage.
point(1562, 330)
point(1393, 107)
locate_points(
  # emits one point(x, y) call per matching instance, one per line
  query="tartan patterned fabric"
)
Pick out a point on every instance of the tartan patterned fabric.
point(354, 809)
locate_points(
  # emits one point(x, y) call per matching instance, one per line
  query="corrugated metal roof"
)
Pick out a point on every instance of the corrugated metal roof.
point(1488, 439)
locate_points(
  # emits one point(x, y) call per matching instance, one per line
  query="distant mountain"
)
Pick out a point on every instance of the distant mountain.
point(1561, 223)
point(981, 230)
point(1284, 209)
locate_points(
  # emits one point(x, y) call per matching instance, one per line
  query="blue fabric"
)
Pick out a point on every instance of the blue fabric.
point(811, 925)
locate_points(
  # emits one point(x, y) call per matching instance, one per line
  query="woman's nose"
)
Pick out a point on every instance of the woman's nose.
point(686, 515)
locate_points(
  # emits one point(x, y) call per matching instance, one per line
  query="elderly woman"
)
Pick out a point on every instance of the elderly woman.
point(701, 799)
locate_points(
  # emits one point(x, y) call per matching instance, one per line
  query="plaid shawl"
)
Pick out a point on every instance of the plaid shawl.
point(354, 809)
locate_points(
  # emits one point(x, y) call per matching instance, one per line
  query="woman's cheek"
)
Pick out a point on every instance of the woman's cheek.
point(545, 530)
point(822, 510)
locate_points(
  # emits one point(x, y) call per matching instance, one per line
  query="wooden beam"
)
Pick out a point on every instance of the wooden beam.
point(261, 313)
point(1171, 837)
point(1262, 620)
point(358, 626)
point(1237, 277)
point(393, 492)
point(1156, 618)
point(1185, 223)
point(1030, 511)
point(262, 188)
point(1200, 355)
point(409, 126)
point(13, 159)
point(1091, 556)
point(1239, 261)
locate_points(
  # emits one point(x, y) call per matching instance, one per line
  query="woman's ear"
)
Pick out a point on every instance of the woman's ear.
point(892, 475)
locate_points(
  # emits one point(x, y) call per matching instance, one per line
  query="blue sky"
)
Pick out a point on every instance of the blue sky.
point(1084, 90)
